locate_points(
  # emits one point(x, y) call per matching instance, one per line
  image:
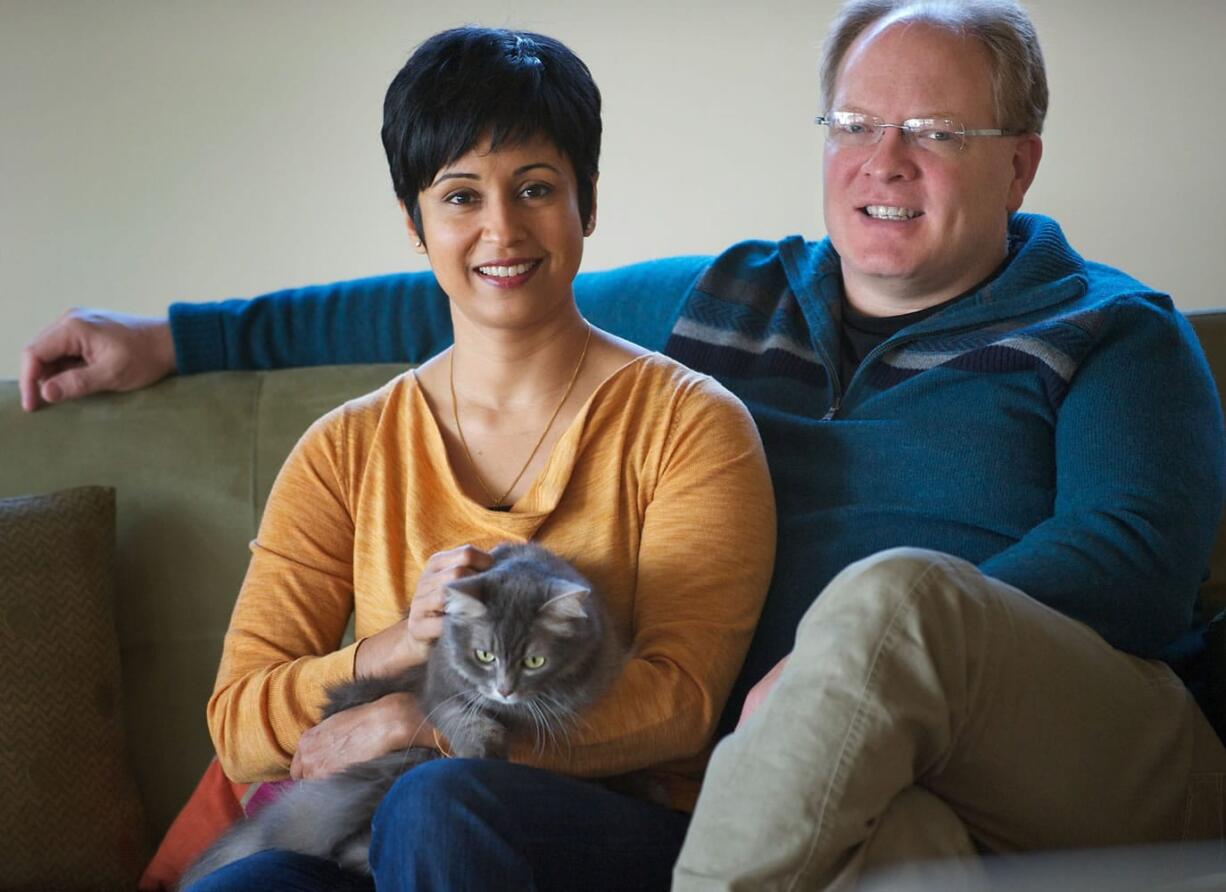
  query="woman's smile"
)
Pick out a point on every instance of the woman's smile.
point(510, 273)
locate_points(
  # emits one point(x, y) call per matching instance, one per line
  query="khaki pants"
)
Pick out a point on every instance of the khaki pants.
point(928, 710)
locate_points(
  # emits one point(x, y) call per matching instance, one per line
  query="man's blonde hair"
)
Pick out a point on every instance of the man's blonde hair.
point(1019, 76)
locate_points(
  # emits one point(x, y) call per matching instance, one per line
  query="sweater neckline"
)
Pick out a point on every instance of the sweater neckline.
point(1039, 255)
point(545, 491)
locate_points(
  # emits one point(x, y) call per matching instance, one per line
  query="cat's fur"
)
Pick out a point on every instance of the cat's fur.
point(530, 603)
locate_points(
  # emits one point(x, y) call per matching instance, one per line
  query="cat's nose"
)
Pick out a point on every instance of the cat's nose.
point(505, 690)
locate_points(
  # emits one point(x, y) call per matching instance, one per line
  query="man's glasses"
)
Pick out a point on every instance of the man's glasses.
point(940, 136)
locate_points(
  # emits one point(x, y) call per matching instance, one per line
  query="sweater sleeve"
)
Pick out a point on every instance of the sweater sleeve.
point(396, 318)
point(1139, 485)
point(401, 318)
point(705, 559)
point(282, 648)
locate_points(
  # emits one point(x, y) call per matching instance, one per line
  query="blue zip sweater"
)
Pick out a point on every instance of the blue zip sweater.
point(1058, 427)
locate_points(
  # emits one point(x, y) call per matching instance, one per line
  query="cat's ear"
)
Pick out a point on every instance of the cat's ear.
point(566, 606)
point(463, 598)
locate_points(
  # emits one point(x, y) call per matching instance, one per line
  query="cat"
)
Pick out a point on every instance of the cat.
point(526, 645)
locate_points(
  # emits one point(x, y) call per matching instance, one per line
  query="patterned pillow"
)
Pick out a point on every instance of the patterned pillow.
point(70, 817)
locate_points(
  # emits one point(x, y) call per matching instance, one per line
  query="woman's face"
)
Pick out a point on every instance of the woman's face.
point(503, 234)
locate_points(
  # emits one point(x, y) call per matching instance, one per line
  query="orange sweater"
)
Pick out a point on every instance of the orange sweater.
point(658, 492)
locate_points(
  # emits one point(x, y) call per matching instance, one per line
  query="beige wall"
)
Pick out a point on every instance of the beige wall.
point(155, 151)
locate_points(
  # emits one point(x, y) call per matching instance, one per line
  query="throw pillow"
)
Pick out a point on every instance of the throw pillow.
point(70, 817)
point(216, 803)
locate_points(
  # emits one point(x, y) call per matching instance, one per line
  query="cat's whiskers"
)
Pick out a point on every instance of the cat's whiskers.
point(564, 713)
point(538, 728)
point(555, 718)
point(546, 718)
point(570, 717)
point(473, 706)
point(426, 719)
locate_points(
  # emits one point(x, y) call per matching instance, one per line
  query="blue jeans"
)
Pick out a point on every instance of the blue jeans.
point(473, 824)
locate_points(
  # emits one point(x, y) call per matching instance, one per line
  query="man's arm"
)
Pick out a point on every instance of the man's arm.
point(395, 318)
point(403, 318)
point(1139, 465)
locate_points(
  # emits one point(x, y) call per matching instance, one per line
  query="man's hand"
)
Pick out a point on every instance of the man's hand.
point(360, 733)
point(757, 694)
point(88, 351)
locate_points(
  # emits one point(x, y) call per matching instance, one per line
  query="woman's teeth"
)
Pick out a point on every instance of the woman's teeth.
point(506, 272)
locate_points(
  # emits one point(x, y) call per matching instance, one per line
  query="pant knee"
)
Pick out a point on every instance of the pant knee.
point(900, 568)
point(432, 790)
point(873, 589)
point(449, 824)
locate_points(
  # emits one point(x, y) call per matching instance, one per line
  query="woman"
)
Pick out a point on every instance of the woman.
point(534, 425)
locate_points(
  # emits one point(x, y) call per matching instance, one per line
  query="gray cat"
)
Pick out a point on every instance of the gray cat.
point(525, 646)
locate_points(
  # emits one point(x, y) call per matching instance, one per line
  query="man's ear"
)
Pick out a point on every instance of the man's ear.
point(419, 244)
point(589, 225)
point(1025, 165)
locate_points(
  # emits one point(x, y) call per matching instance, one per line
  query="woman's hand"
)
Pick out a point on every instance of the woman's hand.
point(425, 620)
point(759, 691)
point(407, 642)
point(392, 722)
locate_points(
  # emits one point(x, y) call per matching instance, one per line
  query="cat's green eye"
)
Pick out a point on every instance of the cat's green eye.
point(534, 662)
point(484, 656)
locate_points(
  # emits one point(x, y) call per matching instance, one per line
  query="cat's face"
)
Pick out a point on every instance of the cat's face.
point(514, 640)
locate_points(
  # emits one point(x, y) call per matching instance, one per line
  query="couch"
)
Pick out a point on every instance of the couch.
point(191, 462)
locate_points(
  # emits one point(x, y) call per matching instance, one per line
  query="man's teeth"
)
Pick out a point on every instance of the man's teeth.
point(885, 212)
point(505, 272)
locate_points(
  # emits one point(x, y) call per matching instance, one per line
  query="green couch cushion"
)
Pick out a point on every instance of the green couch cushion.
point(69, 812)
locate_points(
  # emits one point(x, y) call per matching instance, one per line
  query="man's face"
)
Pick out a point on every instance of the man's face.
point(952, 234)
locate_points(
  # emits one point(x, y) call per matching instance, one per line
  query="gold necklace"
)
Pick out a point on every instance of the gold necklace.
point(498, 504)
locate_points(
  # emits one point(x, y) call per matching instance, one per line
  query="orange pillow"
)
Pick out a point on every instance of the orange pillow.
point(215, 804)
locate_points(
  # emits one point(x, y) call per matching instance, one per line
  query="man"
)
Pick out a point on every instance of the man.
point(998, 467)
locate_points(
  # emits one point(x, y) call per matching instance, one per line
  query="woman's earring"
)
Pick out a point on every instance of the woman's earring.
point(417, 243)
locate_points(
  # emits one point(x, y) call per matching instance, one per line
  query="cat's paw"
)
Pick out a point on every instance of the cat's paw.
point(495, 751)
point(490, 743)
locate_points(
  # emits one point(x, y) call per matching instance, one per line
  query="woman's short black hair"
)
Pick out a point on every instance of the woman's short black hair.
point(467, 84)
